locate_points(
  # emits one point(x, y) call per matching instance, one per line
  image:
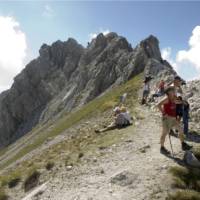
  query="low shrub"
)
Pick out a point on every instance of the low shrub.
point(50, 165)
point(31, 180)
point(14, 182)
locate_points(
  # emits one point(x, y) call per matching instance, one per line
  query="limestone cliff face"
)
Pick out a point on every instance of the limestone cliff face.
point(67, 75)
point(192, 94)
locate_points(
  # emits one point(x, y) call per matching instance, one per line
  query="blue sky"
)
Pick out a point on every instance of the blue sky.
point(48, 21)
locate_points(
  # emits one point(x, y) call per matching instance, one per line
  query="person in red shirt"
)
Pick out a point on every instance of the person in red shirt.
point(167, 107)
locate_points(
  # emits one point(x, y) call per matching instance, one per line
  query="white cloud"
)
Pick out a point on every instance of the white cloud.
point(48, 12)
point(12, 50)
point(187, 60)
point(166, 55)
point(94, 35)
point(192, 54)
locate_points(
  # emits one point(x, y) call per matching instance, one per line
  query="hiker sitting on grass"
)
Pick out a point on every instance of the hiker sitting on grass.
point(122, 119)
point(169, 121)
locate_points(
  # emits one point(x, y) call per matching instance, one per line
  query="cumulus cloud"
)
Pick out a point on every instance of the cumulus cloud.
point(192, 54)
point(166, 55)
point(94, 35)
point(48, 12)
point(187, 61)
point(12, 50)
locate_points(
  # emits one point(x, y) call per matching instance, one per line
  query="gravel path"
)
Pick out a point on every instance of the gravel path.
point(131, 170)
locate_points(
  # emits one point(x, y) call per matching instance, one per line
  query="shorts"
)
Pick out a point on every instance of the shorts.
point(170, 123)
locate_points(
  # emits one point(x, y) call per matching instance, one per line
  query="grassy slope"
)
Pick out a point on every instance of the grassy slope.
point(83, 143)
point(187, 182)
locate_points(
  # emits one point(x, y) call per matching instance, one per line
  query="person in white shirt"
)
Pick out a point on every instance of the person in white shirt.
point(122, 119)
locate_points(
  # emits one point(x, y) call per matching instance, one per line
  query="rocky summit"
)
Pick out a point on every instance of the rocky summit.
point(67, 75)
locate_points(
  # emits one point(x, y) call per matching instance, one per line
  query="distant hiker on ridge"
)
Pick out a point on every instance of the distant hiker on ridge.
point(167, 107)
point(146, 89)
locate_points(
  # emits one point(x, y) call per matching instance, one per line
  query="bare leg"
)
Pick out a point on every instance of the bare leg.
point(108, 128)
point(163, 136)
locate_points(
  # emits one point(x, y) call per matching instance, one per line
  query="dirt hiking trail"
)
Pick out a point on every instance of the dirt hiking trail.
point(131, 170)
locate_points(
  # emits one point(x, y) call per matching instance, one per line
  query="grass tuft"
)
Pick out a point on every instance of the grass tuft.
point(31, 181)
point(184, 195)
point(188, 180)
point(14, 182)
point(49, 166)
point(3, 195)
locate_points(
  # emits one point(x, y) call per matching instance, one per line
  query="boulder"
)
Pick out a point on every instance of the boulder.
point(124, 178)
point(191, 160)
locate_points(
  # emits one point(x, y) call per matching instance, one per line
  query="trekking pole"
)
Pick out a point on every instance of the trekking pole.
point(171, 145)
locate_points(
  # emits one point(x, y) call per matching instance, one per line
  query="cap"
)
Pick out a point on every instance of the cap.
point(178, 78)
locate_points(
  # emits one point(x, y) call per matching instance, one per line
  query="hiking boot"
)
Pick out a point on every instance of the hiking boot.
point(186, 146)
point(163, 150)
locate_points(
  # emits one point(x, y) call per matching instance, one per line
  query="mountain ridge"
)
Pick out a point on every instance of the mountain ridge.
point(66, 75)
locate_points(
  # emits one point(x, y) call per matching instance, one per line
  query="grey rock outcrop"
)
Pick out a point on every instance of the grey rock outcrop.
point(66, 75)
point(191, 160)
point(192, 94)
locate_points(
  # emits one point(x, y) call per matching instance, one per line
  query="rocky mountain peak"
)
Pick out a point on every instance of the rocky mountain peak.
point(66, 75)
point(151, 47)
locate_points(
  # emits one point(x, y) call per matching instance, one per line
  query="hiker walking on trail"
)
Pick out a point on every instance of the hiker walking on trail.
point(167, 107)
point(183, 108)
point(146, 90)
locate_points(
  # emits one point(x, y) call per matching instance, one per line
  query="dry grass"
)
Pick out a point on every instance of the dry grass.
point(3, 195)
point(103, 103)
point(83, 144)
point(12, 179)
point(188, 180)
point(185, 195)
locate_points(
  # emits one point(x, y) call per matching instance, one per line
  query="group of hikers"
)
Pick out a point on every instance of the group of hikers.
point(173, 107)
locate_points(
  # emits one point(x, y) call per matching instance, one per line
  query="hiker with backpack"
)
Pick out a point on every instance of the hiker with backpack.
point(184, 107)
point(167, 107)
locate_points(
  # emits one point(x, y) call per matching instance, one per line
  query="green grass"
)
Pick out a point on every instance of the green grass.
point(80, 144)
point(187, 181)
point(3, 195)
point(184, 195)
point(6, 180)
